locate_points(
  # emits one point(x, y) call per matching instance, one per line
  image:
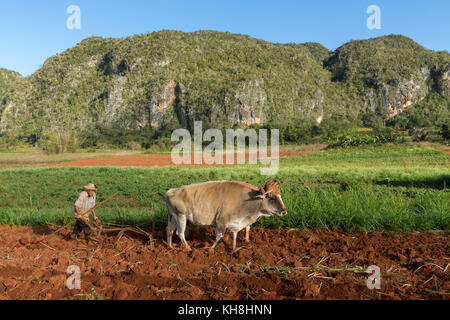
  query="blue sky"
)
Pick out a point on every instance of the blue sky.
point(32, 31)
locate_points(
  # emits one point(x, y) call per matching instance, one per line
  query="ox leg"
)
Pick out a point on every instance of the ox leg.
point(220, 231)
point(171, 227)
point(181, 228)
point(234, 240)
point(247, 234)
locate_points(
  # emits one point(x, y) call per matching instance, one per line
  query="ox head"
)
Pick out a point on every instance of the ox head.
point(271, 196)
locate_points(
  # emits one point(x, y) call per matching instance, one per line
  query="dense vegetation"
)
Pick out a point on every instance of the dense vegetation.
point(8, 80)
point(359, 140)
point(396, 188)
point(433, 111)
point(135, 90)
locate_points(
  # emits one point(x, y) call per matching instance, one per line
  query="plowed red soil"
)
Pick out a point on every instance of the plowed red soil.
point(149, 160)
point(276, 264)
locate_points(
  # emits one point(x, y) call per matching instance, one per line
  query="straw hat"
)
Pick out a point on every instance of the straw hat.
point(90, 186)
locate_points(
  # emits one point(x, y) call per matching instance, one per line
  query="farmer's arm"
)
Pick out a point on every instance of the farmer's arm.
point(94, 215)
point(78, 211)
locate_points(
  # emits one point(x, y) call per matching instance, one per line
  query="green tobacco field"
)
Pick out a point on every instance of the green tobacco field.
point(394, 187)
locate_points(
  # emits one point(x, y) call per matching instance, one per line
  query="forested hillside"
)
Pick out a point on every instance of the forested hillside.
point(152, 83)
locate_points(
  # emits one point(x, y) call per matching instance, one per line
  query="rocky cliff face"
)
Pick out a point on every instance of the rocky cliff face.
point(8, 79)
point(169, 79)
point(393, 99)
point(247, 105)
point(445, 84)
point(391, 73)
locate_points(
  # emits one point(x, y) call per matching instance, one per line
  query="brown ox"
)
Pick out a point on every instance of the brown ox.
point(229, 205)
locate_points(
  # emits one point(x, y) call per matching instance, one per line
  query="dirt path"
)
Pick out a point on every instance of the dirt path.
point(277, 264)
point(149, 160)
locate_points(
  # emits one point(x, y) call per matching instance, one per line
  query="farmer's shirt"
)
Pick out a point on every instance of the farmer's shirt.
point(85, 203)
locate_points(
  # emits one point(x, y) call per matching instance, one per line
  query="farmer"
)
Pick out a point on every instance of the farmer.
point(83, 206)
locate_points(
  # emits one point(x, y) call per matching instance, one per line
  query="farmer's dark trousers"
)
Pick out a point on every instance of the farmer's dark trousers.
point(81, 226)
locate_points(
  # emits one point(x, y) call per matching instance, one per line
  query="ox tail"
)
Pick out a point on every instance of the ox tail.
point(169, 209)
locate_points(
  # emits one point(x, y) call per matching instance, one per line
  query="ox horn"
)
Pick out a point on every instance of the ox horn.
point(263, 194)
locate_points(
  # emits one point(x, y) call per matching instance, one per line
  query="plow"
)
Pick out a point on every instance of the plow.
point(102, 229)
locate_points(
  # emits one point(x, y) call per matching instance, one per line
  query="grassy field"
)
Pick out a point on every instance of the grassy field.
point(386, 156)
point(361, 189)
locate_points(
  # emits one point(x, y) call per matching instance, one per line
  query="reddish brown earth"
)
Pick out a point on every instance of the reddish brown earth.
point(149, 160)
point(276, 264)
